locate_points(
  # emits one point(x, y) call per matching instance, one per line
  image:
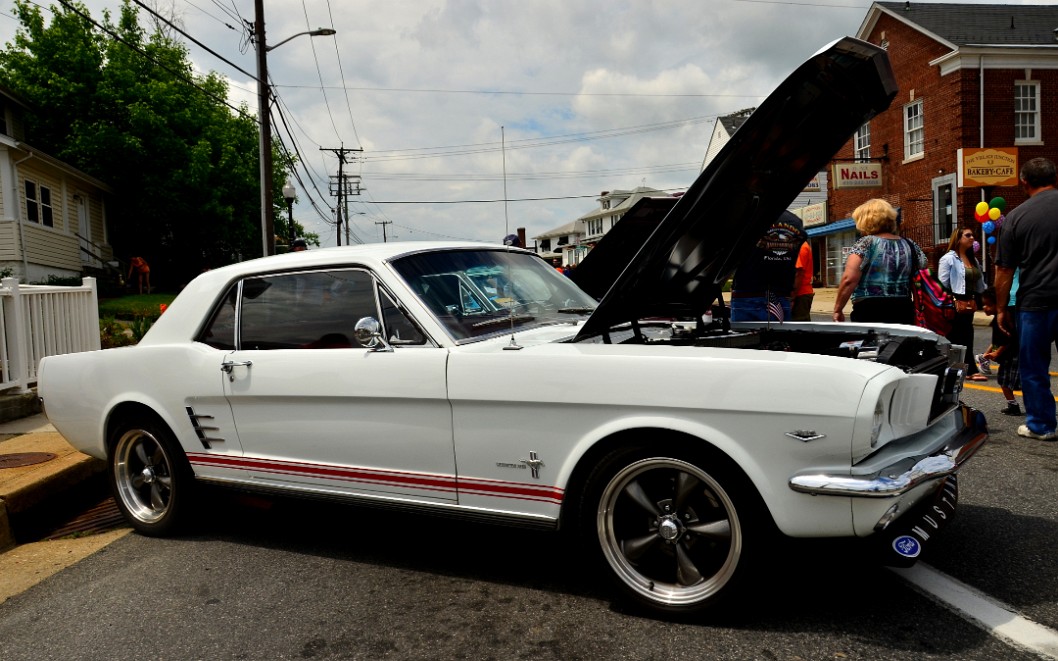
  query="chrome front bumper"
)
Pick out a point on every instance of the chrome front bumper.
point(896, 480)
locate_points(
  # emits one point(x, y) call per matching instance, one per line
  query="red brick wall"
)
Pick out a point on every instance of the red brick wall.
point(951, 120)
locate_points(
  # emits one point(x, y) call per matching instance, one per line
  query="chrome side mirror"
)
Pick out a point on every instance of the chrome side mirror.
point(368, 333)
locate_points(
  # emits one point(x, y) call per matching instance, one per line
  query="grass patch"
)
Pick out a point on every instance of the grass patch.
point(137, 306)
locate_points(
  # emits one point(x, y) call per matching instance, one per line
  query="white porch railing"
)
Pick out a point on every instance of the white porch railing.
point(42, 320)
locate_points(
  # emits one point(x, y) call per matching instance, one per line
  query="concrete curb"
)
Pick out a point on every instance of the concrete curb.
point(26, 487)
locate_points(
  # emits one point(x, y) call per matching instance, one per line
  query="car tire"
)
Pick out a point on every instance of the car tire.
point(150, 476)
point(676, 533)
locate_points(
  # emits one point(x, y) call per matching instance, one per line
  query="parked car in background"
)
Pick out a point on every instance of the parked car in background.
point(475, 380)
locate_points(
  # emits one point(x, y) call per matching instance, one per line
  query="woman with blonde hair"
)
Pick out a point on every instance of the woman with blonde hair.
point(878, 269)
point(960, 273)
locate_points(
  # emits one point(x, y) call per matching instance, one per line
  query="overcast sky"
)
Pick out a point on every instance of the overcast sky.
point(591, 96)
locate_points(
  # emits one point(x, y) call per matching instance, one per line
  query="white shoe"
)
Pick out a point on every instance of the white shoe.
point(983, 364)
point(1024, 430)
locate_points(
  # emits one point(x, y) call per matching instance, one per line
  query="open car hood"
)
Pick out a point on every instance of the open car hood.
point(710, 230)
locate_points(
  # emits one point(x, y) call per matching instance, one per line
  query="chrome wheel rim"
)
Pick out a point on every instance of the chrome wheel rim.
point(669, 531)
point(143, 474)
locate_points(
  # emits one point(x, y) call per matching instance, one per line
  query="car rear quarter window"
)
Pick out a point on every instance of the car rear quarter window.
point(219, 333)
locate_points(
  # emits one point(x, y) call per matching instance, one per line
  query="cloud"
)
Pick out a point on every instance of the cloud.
point(591, 96)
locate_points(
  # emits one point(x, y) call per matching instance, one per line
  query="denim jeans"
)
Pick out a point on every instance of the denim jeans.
point(756, 309)
point(1037, 331)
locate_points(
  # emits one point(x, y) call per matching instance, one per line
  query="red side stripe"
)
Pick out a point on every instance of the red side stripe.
point(425, 481)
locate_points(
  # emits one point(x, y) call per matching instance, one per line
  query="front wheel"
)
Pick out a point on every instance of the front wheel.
point(673, 535)
point(150, 477)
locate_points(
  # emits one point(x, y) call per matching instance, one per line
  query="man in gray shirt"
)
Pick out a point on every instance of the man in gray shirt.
point(1029, 241)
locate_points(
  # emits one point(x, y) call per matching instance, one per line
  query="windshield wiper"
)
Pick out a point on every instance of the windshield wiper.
point(511, 319)
point(582, 310)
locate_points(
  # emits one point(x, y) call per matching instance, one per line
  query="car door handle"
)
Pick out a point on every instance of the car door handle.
point(227, 365)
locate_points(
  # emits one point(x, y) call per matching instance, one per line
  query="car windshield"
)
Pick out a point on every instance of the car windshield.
point(483, 293)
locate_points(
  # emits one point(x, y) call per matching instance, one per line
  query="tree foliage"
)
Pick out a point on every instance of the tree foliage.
point(126, 107)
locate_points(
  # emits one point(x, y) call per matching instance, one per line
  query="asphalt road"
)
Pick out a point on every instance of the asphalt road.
point(277, 579)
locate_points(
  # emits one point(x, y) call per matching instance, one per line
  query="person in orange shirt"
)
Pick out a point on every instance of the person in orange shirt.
point(802, 294)
point(143, 272)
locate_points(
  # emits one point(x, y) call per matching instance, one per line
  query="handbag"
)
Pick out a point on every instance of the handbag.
point(963, 307)
point(935, 306)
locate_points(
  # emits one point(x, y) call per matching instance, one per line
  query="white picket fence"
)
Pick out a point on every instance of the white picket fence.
point(42, 320)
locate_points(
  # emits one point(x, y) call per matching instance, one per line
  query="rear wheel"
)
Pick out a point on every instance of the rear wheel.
point(150, 476)
point(674, 535)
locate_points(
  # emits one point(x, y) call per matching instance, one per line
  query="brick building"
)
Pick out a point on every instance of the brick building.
point(970, 76)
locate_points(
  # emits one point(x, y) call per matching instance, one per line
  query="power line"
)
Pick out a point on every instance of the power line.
point(428, 90)
point(195, 41)
point(182, 76)
point(341, 72)
point(523, 199)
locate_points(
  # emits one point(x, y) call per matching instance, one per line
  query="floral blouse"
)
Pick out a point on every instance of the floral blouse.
point(887, 266)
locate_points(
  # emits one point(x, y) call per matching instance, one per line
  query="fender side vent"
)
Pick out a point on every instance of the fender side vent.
point(202, 430)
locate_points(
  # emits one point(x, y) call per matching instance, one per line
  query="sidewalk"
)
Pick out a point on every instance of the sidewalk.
point(25, 485)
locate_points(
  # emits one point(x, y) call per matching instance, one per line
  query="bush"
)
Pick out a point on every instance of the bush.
point(112, 333)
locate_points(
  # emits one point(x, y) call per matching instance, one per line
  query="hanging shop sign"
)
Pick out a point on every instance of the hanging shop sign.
point(812, 214)
point(857, 175)
point(990, 166)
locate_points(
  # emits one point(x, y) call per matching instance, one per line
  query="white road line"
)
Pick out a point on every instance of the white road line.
point(993, 616)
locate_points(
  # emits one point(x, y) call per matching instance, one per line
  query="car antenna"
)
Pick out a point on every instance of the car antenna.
point(508, 240)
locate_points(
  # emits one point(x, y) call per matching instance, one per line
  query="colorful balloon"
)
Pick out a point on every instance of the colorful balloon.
point(991, 240)
point(988, 227)
point(994, 213)
point(979, 217)
point(998, 203)
point(977, 246)
point(981, 208)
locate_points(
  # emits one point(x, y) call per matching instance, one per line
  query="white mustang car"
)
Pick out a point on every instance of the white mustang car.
point(475, 380)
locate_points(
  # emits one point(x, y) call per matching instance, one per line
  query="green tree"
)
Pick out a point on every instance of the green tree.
point(125, 106)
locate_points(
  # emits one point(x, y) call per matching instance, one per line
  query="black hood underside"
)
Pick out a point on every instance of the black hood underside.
point(709, 231)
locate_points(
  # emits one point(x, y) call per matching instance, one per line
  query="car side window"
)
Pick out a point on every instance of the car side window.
point(400, 330)
point(219, 333)
point(315, 310)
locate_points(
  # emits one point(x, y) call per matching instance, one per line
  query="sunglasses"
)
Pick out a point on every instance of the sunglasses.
point(968, 236)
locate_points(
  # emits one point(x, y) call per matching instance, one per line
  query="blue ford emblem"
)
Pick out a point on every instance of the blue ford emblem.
point(907, 546)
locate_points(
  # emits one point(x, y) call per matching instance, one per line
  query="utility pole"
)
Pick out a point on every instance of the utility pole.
point(383, 223)
point(339, 185)
point(268, 238)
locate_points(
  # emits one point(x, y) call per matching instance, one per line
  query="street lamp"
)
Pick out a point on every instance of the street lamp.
point(268, 239)
point(288, 194)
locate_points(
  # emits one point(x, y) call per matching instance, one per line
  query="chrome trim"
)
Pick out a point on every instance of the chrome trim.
point(805, 435)
point(412, 505)
point(200, 429)
point(887, 482)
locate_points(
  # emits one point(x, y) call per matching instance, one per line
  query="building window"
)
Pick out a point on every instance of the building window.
point(914, 133)
point(595, 227)
point(1027, 111)
point(38, 204)
point(863, 143)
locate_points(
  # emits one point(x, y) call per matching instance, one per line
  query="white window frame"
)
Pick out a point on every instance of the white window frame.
point(39, 209)
point(914, 131)
point(862, 143)
point(1031, 114)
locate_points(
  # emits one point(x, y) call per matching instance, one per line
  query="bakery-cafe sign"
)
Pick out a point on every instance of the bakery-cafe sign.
point(991, 166)
point(857, 175)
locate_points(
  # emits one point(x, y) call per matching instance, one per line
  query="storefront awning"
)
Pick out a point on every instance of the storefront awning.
point(843, 225)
